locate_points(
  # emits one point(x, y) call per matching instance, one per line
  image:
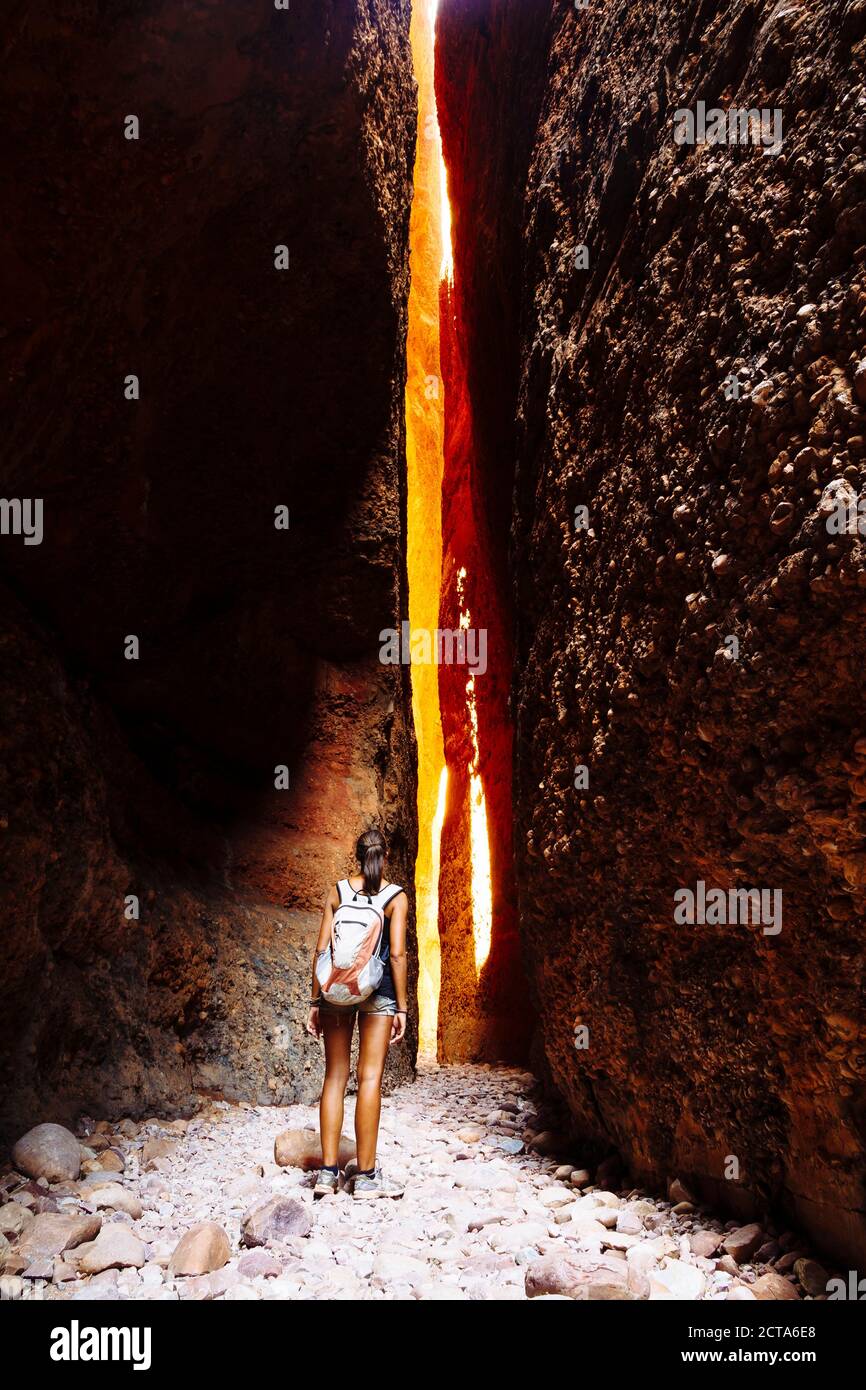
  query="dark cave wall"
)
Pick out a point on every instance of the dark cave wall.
point(259, 647)
point(705, 522)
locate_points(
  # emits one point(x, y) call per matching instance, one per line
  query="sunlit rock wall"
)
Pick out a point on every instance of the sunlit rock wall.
point(694, 639)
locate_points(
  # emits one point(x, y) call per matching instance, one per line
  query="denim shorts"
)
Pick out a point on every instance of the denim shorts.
point(373, 1004)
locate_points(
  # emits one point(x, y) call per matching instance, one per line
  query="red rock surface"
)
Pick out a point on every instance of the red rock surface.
point(605, 386)
point(259, 647)
point(489, 1015)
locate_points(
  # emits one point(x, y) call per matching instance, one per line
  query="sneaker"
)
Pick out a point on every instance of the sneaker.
point(366, 1188)
point(326, 1183)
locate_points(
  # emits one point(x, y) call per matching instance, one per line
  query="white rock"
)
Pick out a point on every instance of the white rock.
point(676, 1280)
point(507, 1238)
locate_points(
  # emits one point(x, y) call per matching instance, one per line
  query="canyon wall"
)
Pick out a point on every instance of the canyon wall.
point(693, 639)
point(258, 388)
point(488, 85)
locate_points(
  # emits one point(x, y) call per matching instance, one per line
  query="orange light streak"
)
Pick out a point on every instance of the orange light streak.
point(479, 837)
point(430, 261)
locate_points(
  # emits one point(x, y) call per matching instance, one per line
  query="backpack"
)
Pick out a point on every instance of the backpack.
point(349, 969)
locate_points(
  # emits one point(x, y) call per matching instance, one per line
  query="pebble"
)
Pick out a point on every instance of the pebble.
point(259, 1264)
point(227, 1213)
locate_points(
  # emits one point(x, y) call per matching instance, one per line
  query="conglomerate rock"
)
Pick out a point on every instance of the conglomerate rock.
point(695, 381)
point(258, 388)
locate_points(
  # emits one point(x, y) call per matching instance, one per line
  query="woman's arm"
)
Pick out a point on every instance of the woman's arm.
point(331, 904)
point(397, 956)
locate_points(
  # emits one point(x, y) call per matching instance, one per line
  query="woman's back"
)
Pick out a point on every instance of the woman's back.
point(352, 890)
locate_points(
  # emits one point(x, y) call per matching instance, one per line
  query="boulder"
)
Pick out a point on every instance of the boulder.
point(742, 1243)
point(678, 1192)
point(109, 1161)
point(153, 1149)
point(393, 1268)
point(812, 1276)
point(116, 1247)
point(773, 1286)
point(204, 1247)
point(577, 1276)
point(116, 1198)
point(275, 1219)
point(51, 1234)
point(705, 1243)
point(548, 1142)
point(48, 1151)
point(302, 1148)
point(15, 1220)
point(676, 1280)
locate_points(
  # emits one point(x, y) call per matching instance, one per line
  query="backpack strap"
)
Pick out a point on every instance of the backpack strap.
point(391, 896)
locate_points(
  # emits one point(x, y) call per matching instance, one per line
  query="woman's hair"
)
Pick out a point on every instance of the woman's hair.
point(370, 850)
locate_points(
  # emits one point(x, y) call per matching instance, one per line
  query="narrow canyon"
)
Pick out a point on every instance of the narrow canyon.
point(441, 415)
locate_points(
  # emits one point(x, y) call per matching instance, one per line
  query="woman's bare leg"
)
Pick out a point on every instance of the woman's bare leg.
point(375, 1034)
point(337, 1032)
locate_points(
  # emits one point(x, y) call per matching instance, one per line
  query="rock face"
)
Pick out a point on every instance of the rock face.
point(691, 639)
point(257, 388)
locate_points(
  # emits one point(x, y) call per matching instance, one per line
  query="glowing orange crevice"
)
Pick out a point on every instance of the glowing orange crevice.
point(430, 254)
point(431, 263)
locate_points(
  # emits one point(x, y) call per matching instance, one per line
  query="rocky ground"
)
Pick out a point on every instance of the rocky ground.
point(200, 1209)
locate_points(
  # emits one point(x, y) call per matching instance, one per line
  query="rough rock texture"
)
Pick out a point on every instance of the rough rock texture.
point(259, 388)
point(739, 764)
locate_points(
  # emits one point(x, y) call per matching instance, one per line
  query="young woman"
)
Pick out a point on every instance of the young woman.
point(381, 1023)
